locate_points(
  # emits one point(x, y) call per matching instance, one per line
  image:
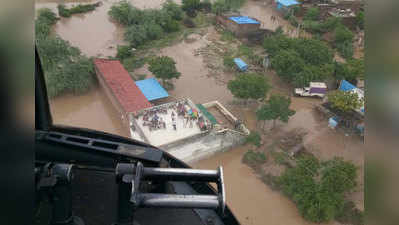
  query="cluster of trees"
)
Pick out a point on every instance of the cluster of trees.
point(299, 61)
point(319, 188)
point(65, 68)
point(148, 24)
point(65, 12)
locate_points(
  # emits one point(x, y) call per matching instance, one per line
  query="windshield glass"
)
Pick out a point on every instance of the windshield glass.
point(203, 77)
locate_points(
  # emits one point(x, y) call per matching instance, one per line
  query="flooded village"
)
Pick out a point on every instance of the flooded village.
point(199, 119)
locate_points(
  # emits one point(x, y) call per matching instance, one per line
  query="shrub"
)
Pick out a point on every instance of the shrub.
point(350, 214)
point(190, 5)
point(124, 13)
point(206, 6)
point(123, 51)
point(228, 62)
point(220, 6)
point(345, 49)
point(136, 35)
point(360, 19)
point(173, 10)
point(153, 31)
point(342, 34)
point(287, 64)
point(65, 12)
point(249, 86)
point(171, 26)
point(253, 158)
point(253, 138)
point(133, 63)
point(314, 52)
point(312, 14)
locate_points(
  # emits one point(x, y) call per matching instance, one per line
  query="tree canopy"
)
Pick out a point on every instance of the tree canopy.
point(249, 86)
point(298, 60)
point(276, 108)
point(318, 189)
point(345, 101)
point(164, 67)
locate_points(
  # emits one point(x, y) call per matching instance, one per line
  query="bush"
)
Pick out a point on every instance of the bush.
point(312, 14)
point(228, 62)
point(343, 34)
point(350, 214)
point(220, 6)
point(360, 19)
point(171, 26)
point(64, 12)
point(133, 63)
point(206, 6)
point(123, 51)
point(249, 86)
point(126, 14)
point(173, 9)
point(190, 5)
point(253, 138)
point(345, 49)
point(253, 158)
point(287, 64)
point(153, 31)
point(136, 35)
point(314, 52)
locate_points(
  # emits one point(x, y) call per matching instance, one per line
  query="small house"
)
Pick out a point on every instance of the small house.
point(285, 5)
point(240, 26)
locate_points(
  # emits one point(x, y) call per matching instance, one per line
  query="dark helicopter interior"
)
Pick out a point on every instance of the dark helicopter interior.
point(94, 178)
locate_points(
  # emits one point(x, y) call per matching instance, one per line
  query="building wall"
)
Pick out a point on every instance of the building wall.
point(123, 115)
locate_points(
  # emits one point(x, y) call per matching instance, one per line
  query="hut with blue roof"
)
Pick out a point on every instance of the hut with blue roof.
point(239, 25)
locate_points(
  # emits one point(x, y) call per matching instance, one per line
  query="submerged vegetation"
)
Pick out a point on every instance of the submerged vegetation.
point(65, 12)
point(148, 24)
point(317, 188)
point(66, 70)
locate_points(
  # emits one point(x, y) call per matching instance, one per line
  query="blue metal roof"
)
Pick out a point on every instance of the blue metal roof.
point(243, 20)
point(241, 64)
point(288, 2)
point(151, 89)
point(346, 86)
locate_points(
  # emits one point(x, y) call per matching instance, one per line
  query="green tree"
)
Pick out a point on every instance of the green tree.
point(338, 175)
point(312, 14)
point(123, 51)
point(345, 101)
point(276, 108)
point(173, 9)
point(136, 35)
point(220, 6)
point(190, 5)
point(360, 19)
point(164, 68)
point(343, 34)
point(314, 52)
point(249, 86)
point(126, 14)
point(288, 63)
point(350, 71)
point(312, 74)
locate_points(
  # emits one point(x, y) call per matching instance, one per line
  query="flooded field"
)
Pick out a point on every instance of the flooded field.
point(93, 32)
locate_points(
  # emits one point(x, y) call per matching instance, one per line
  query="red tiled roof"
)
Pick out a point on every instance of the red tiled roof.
point(122, 85)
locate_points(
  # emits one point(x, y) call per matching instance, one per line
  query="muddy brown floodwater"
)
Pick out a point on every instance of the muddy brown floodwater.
point(252, 202)
point(92, 110)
